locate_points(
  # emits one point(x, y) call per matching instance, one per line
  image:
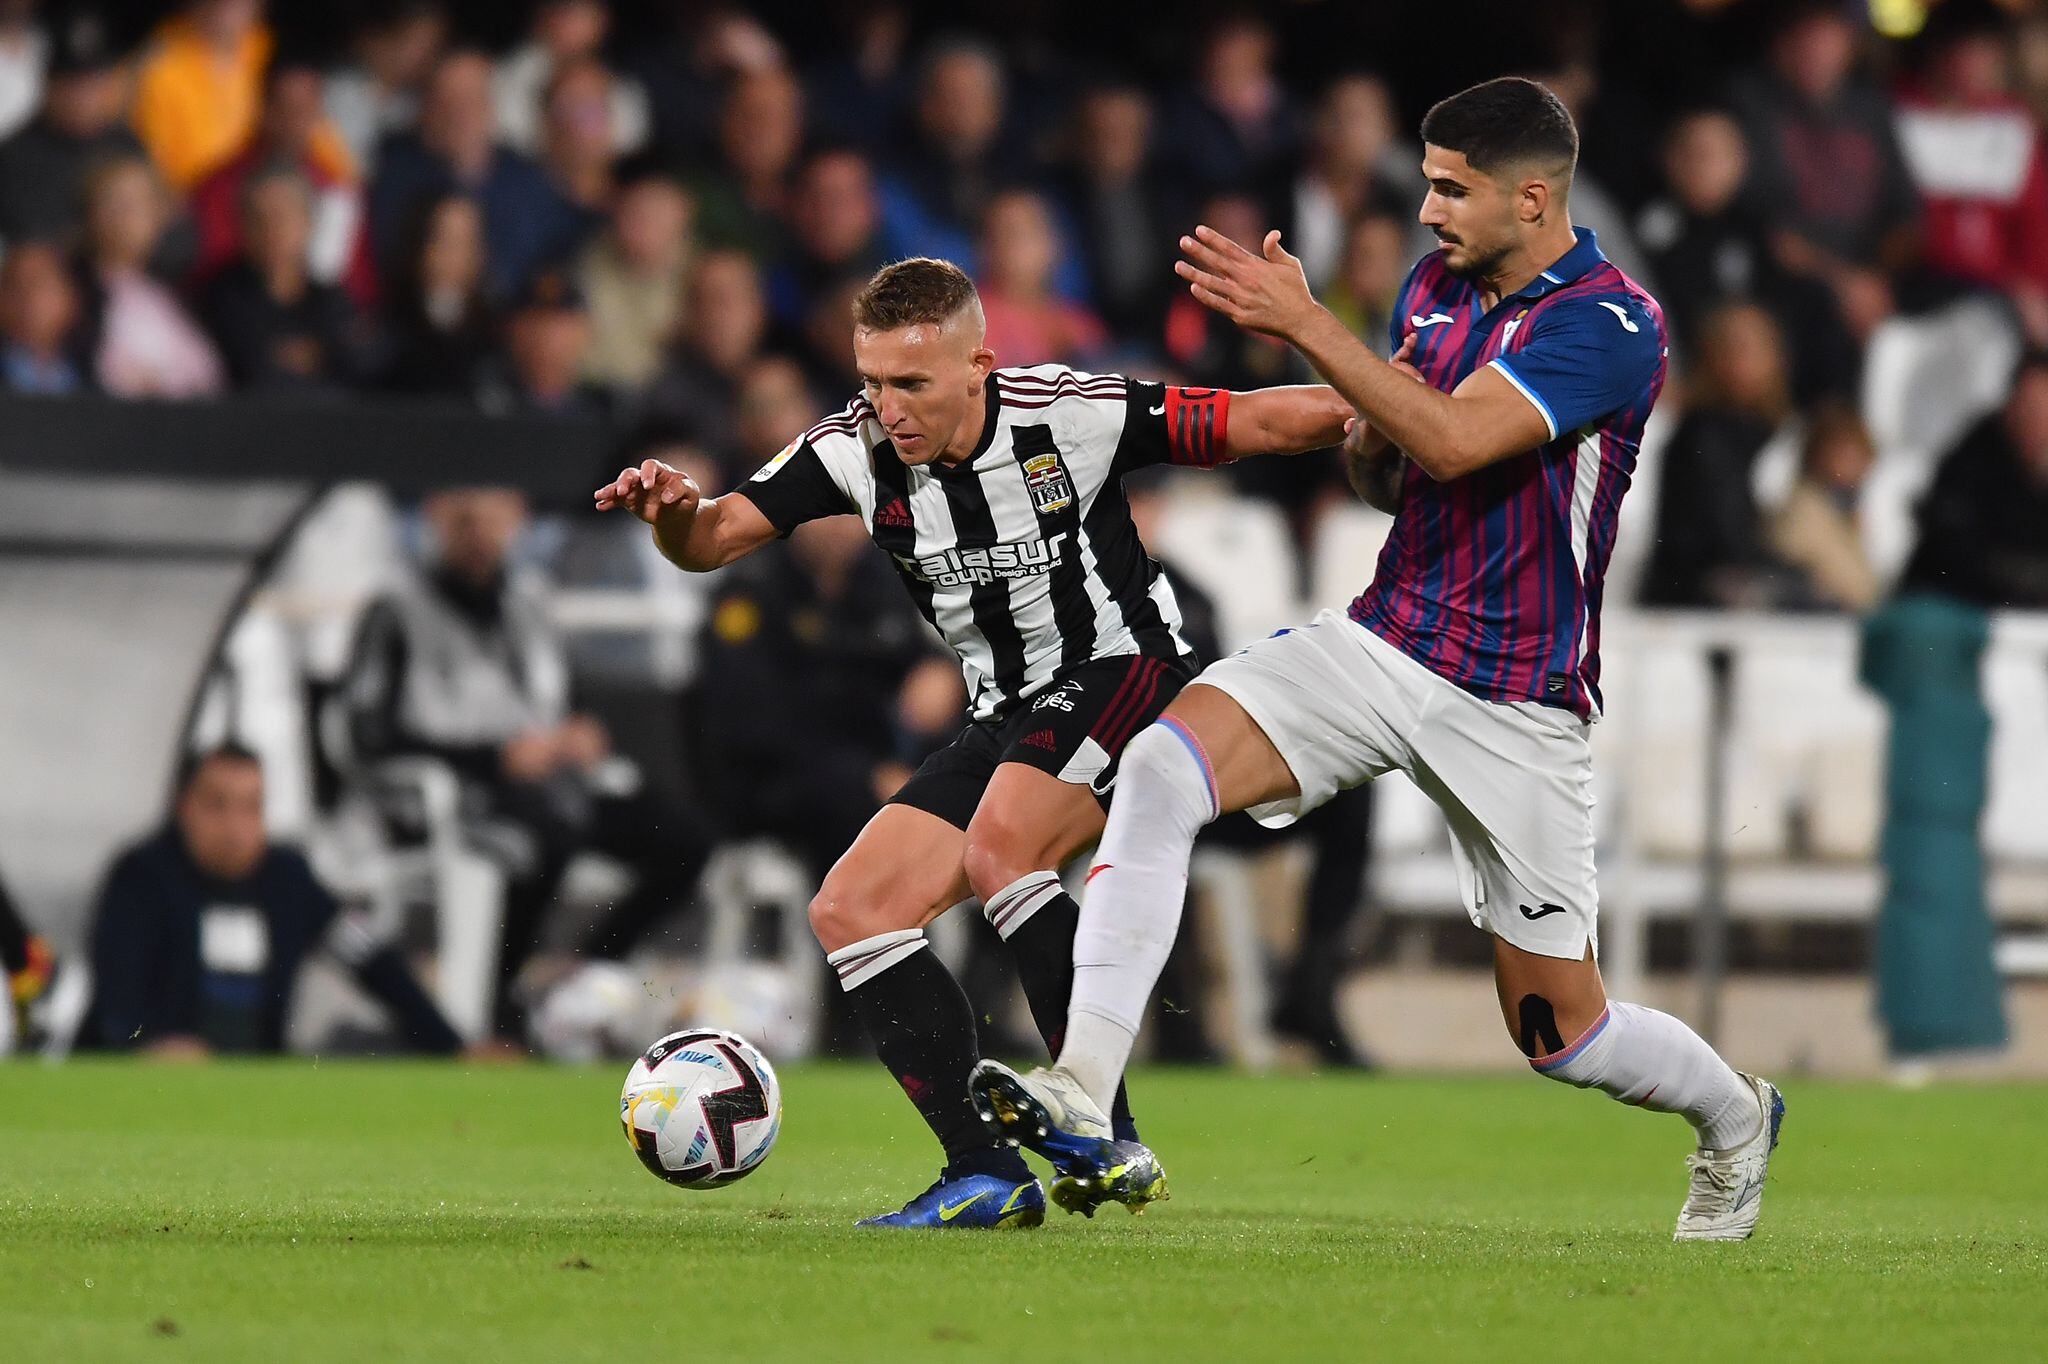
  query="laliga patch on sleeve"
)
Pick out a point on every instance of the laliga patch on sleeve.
point(768, 469)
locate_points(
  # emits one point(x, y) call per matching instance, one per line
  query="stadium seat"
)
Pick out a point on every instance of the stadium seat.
point(2016, 690)
point(740, 880)
point(1926, 378)
point(1240, 553)
point(1344, 552)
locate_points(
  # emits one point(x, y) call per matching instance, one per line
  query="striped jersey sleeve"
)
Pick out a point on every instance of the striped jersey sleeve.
point(816, 475)
point(1584, 358)
point(1170, 424)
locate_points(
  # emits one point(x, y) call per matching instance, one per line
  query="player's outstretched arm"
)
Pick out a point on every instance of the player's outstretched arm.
point(1447, 434)
point(692, 531)
point(1285, 421)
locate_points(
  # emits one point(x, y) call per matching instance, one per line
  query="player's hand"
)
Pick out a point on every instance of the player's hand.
point(652, 491)
point(1263, 293)
point(1400, 359)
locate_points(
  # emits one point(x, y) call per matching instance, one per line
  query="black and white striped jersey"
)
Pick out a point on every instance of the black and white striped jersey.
point(1023, 556)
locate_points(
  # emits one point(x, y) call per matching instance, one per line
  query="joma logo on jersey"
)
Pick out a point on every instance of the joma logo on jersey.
point(975, 567)
point(1051, 489)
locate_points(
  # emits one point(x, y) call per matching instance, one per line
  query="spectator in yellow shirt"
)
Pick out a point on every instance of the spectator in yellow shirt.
point(200, 87)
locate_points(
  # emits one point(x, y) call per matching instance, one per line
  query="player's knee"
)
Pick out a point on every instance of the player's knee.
point(997, 854)
point(1159, 764)
point(846, 911)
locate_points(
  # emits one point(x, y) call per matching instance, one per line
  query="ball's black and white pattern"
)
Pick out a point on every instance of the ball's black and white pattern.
point(701, 1108)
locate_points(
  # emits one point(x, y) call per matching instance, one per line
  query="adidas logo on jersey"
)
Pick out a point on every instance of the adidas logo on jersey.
point(896, 514)
point(1042, 738)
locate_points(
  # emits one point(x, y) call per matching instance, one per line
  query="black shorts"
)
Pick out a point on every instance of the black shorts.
point(1074, 728)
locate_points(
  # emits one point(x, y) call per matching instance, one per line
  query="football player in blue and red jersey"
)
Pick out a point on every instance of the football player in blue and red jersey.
point(1506, 433)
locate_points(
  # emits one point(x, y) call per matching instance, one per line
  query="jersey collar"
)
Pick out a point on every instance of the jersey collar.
point(940, 469)
point(1584, 255)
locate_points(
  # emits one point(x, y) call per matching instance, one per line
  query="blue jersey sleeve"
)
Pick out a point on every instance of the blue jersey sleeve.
point(1586, 358)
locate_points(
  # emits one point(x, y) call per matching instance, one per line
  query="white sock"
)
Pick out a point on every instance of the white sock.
point(1130, 911)
point(860, 962)
point(1652, 1060)
point(1010, 908)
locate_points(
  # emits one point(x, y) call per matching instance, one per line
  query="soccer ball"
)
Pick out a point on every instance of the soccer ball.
point(701, 1108)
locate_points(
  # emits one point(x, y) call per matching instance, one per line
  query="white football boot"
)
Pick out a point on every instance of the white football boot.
point(1048, 1111)
point(1727, 1190)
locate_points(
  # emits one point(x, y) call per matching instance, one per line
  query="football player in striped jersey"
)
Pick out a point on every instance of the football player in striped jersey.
point(997, 494)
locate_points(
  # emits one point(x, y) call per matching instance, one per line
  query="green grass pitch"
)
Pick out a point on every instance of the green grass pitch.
point(364, 1212)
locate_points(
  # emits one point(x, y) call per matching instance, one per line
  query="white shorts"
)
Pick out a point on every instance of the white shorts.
point(1514, 779)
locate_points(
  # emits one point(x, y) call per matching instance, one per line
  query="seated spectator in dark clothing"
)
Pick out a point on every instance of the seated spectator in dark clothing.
point(743, 202)
point(724, 327)
point(337, 246)
point(82, 122)
point(563, 32)
point(377, 92)
point(39, 312)
point(1123, 220)
point(279, 329)
point(861, 83)
point(462, 664)
point(632, 277)
point(1711, 549)
point(826, 342)
point(952, 162)
point(1978, 158)
point(547, 336)
point(1234, 129)
point(526, 222)
point(202, 928)
point(774, 400)
point(443, 328)
point(1984, 522)
point(141, 341)
point(1708, 248)
point(1028, 323)
point(812, 661)
point(1814, 531)
point(1369, 276)
point(1825, 167)
point(576, 140)
point(1344, 174)
point(835, 223)
point(685, 64)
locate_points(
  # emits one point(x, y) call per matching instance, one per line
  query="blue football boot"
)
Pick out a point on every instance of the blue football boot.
point(969, 1202)
point(1048, 1111)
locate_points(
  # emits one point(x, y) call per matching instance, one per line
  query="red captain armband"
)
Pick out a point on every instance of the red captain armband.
point(1197, 419)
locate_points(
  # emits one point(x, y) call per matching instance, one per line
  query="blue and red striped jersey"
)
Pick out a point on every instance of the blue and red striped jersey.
point(1493, 581)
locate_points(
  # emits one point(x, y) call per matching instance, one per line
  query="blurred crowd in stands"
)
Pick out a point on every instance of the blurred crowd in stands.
point(654, 216)
point(662, 228)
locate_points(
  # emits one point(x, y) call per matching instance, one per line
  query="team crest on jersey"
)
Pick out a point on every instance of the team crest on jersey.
point(1051, 489)
point(1507, 333)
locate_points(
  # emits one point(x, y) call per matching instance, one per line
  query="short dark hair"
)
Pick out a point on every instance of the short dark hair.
point(1512, 121)
point(913, 292)
point(194, 761)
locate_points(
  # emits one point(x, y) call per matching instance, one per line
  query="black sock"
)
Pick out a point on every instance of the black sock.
point(1043, 946)
point(923, 1029)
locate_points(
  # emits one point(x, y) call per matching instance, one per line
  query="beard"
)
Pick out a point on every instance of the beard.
point(1476, 264)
